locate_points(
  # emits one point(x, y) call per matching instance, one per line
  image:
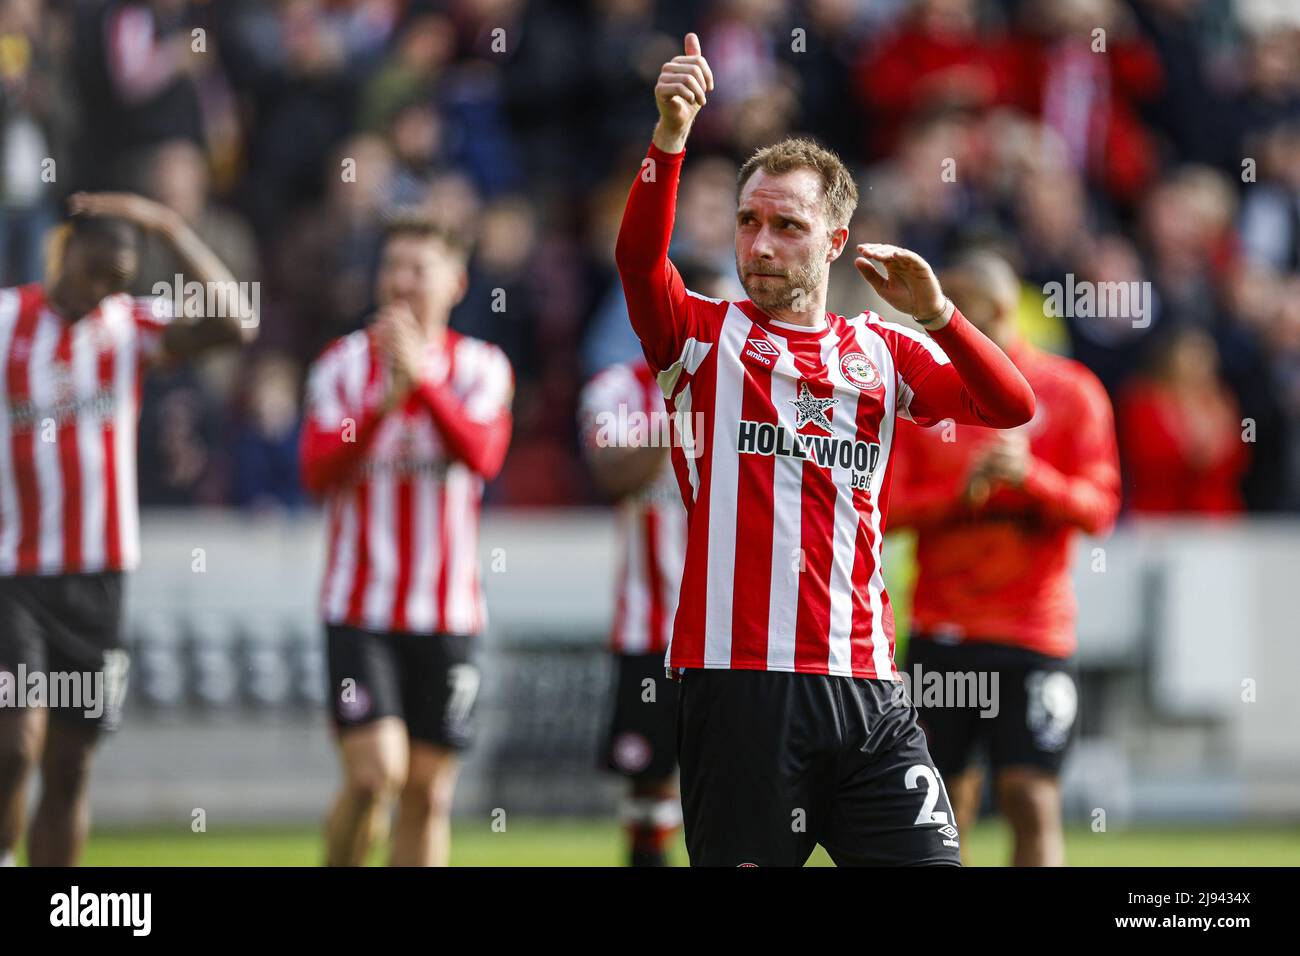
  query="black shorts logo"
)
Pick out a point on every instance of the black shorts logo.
point(1053, 704)
point(354, 703)
point(632, 752)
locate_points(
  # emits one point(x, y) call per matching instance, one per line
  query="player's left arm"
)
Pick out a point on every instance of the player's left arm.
point(238, 323)
point(1088, 498)
point(970, 379)
point(475, 429)
point(334, 437)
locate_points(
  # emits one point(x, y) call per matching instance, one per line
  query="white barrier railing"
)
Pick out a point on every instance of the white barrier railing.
point(1197, 624)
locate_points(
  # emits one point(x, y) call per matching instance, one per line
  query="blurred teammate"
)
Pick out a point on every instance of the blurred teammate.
point(783, 636)
point(72, 355)
point(621, 410)
point(406, 420)
point(995, 515)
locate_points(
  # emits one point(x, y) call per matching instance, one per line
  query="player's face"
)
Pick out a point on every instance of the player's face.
point(92, 271)
point(422, 273)
point(783, 241)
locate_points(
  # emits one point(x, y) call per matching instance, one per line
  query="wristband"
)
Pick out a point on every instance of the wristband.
point(936, 322)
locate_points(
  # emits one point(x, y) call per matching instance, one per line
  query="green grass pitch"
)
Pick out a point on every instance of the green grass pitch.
point(536, 842)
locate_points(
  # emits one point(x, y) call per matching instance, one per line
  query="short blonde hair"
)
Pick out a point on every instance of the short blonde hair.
point(839, 191)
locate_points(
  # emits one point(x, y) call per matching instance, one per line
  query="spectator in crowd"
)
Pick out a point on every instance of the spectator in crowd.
point(1188, 231)
point(35, 123)
point(1083, 68)
point(176, 174)
point(136, 63)
point(935, 59)
point(1111, 340)
point(1270, 212)
point(1270, 61)
point(1181, 437)
point(419, 59)
point(324, 260)
point(264, 448)
point(181, 461)
point(294, 66)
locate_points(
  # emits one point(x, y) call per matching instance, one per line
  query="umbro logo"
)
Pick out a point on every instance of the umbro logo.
point(949, 831)
point(762, 352)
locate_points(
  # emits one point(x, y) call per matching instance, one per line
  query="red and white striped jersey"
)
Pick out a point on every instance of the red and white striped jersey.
point(68, 431)
point(787, 480)
point(623, 405)
point(789, 490)
point(403, 508)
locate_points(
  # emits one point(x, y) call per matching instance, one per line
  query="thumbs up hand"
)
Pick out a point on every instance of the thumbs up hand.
point(684, 84)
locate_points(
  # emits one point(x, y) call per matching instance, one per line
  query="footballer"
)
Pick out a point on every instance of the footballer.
point(406, 422)
point(620, 413)
point(996, 514)
point(74, 353)
point(788, 731)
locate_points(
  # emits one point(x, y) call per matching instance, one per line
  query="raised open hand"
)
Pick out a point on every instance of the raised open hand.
point(909, 284)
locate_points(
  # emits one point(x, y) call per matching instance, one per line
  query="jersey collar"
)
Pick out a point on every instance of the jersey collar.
point(795, 333)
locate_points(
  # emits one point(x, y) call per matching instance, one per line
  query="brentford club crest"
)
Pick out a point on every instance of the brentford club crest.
point(861, 371)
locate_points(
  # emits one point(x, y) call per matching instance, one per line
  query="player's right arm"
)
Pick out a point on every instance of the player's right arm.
point(163, 335)
point(334, 436)
point(962, 375)
point(656, 296)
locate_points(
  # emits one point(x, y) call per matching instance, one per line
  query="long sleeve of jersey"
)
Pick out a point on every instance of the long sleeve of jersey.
point(656, 296)
point(1090, 498)
point(328, 451)
point(1089, 501)
point(480, 444)
point(976, 385)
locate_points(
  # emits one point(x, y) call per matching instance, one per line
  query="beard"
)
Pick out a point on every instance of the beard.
point(791, 290)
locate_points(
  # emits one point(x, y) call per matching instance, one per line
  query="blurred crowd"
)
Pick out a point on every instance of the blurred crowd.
point(1154, 142)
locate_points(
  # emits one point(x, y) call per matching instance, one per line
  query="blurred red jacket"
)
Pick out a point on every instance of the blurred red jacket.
point(1000, 571)
point(1181, 457)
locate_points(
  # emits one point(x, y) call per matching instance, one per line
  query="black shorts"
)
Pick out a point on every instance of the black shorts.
point(1031, 699)
point(67, 627)
point(774, 763)
point(641, 742)
point(430, 681)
